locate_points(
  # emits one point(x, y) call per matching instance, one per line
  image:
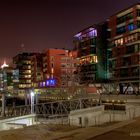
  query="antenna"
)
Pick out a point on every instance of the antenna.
point(22, 48)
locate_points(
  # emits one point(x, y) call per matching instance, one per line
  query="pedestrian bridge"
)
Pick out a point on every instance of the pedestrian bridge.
point(63, 107)
point(56, 108)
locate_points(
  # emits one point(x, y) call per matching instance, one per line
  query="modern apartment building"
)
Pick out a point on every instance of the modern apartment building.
point(124, 49)
point(37, 68)
point(6, 78)
point(53, 68)
point(23, 65)
point(59, 64)
point(91, 45)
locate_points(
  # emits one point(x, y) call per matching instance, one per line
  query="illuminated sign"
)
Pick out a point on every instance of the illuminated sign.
point(51, 82)
point(48, 83)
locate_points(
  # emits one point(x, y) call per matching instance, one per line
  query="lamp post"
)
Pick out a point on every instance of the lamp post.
point(32, 94)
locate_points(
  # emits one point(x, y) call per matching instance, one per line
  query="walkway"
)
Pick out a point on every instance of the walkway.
point(64, 132)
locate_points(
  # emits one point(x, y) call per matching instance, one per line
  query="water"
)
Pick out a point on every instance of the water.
point(17, 122)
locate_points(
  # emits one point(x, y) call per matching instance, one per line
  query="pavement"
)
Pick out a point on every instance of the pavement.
point(130, 131)
point(127, 130)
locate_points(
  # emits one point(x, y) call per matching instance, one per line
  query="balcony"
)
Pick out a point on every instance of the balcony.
point(111, 45)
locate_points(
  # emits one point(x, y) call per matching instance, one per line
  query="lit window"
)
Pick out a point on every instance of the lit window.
point(116, 42)
point(29, 67)
point(136, 36)
point(29, 71)
point(96, 59)
point(126, 40)
point(48, 76)
point(129, 38)
point(121, 41)
point(132, 37)
point(28, 81)
point(52, 70)
point(28, 85)
point(43, 84)
point(52, 58)
point(20, 86)
point(131, 27)
point(93, 33)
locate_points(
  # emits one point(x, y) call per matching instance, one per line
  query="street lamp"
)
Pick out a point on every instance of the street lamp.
point(32, 94)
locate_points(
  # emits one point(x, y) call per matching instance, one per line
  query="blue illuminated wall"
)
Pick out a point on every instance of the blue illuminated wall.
point(48, 83)
point(51, 82)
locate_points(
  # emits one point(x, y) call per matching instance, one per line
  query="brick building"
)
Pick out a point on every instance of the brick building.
point(124, 49)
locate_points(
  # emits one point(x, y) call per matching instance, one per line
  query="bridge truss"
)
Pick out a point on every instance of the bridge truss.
point(55, 108)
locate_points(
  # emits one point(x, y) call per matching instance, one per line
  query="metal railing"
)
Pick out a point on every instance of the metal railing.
point(62, 107)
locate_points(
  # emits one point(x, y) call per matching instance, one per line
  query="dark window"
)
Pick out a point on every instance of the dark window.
point(93, 67)
point(129, 49)
point(93, 41)
point(124, 72)
point(121, 30)
point(124, 18)
point(138, 13)
point(138, 24)
point(93, 50)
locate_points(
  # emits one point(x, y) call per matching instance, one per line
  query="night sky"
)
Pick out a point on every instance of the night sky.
point(33, 25)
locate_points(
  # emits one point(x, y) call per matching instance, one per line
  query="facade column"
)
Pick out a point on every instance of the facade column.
point(36, 98)
point(3, 105)
point(26, 98)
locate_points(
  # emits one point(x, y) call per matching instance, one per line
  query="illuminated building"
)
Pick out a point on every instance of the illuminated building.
point(4, 65)
point(36, 68)
point(23, 65)
point(124, 49)
point(91, 45)
point(59, 64)
point(6, 78)
point(40, 71)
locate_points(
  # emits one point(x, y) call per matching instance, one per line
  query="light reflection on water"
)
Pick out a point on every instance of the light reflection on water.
point(18, 122)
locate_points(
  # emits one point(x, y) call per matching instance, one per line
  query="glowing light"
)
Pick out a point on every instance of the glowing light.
point(90, 29)
point(41, 84)
point(51, 82)
point(4, 65)
point(93, 33)
point(47, 83)
point(52, 70)
point(78, 35)
point(32, 94)
point(107, 100)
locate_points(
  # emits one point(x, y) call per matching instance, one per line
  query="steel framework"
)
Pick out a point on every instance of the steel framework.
point(56, 108)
